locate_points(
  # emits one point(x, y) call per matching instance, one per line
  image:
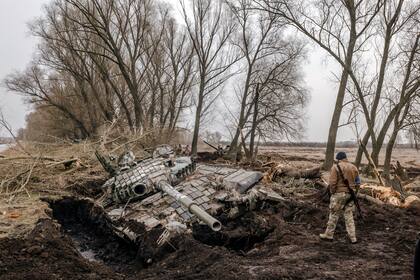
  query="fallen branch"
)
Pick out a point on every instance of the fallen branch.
point(23, 185)
point(7, 159)
point(67, 163)
point(370, 199)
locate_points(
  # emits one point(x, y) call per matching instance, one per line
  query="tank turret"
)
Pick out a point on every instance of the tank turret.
point(150, 202)
point(153, 175)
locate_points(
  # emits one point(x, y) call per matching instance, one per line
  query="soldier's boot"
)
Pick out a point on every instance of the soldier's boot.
point(332, 223)
point(326, 237)
point(350, 227)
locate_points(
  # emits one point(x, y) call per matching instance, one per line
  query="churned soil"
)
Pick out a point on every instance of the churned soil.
point(47, 253)
point(288, 248)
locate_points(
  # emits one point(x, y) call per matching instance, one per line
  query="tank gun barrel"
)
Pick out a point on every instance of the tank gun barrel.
point(188, 203)
point(210, 145)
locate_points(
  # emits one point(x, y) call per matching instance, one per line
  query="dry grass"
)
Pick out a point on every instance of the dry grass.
point(38, 170)
point(55, 168)
point(61, 169)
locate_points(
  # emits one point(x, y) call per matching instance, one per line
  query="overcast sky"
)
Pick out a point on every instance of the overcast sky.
point(17, 47)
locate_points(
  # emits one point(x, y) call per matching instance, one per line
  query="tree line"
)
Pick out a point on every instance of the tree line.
point(376, 44)
point(144, 65)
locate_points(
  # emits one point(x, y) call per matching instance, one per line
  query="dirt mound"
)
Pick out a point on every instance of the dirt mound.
point(289, 250)
point(279, 241)
point(294, 251)
point(47, 254)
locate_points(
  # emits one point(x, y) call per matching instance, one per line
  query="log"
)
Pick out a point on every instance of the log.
point(370, 199)
point(412, 171)
point(312, 173)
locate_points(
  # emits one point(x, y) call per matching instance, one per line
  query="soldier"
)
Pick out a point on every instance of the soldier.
point(341, 201)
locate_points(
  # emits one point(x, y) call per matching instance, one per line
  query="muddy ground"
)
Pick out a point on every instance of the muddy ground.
point(41, 239)
point(291, 250)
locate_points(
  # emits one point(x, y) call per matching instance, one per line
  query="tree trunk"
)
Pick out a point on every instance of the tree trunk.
point(376, 149)
point(233, 151)
point(335, 121)
point(332, 134)
point(359, 154)
point(388, 153)
point(254, 123)
point(198, 116)
point(377, 145)
point(152, 108)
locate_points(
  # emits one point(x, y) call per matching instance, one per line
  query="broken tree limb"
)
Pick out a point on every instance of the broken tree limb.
point(67, 163)
point(412, 188)
point(370, 199)
point(6, 159)
point(372, 164)
point(311, 173)
point(400, 171)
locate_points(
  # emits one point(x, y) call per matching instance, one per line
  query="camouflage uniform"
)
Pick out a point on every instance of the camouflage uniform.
point(337, 208)
point(339, 198)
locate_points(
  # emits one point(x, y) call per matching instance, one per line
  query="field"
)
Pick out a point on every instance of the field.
point(406, 156)
point(39, 239)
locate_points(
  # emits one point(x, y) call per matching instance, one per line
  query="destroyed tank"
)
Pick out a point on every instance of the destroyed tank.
point(163, 196)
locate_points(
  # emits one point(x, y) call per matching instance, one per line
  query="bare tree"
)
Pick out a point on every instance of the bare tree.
point(103, 60)
point(278, 99)
point(172, 75)
point(259, 39)
point(407, 112)
point(40, 89)
point(394, 16)
point(209, 27)
point(338, 27)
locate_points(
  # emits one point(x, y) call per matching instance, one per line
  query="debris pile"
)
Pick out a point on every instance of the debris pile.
point(119, 228)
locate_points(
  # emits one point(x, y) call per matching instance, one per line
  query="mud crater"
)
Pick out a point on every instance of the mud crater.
point(239, 235)
point(87, 226)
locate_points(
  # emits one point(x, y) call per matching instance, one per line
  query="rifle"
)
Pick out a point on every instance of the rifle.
point(325, 195)
point(352, 193)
